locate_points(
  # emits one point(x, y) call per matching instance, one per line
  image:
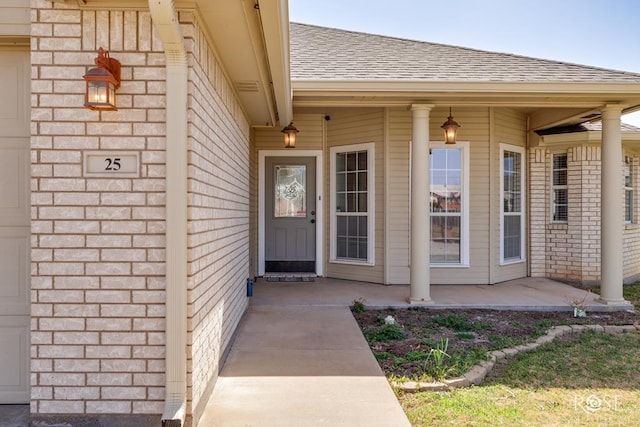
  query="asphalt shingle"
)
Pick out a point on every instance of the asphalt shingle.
point(320, 53)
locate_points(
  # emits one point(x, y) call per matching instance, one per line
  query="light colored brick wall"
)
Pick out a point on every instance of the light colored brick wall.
point(572, 250)
point(538, 211)
point(219, 171)
point(98, 243)
point(632, 231)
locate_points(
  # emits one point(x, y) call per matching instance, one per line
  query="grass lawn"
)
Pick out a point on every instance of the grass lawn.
point(588, 380)
point(591, 379)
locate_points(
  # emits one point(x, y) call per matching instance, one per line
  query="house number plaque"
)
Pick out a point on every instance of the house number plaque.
point(108, 164)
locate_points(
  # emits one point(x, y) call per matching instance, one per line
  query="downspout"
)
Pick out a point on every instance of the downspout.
point(166, 23)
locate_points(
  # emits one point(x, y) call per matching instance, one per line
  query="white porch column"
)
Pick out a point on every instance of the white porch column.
point(611, 208)
point(420, 216)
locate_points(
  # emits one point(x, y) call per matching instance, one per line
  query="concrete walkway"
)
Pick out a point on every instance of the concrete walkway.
point(299, 357)
point(301, 366)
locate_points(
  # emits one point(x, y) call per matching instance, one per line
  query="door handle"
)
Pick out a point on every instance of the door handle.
point(313, 221)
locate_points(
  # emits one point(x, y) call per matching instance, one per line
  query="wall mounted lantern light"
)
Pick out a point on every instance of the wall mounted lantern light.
point(102, 82)
point(450, 129)
point(290, 132)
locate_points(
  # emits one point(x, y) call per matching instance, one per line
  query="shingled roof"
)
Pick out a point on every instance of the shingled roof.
point(321, 54)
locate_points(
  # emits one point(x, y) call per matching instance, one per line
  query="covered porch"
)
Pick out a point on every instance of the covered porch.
point(529, 293)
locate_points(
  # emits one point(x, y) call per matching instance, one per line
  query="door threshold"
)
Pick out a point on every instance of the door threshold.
point(290, 277)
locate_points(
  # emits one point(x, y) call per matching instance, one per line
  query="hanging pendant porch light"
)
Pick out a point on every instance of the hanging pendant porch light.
point(450, 129)
point(290, 132)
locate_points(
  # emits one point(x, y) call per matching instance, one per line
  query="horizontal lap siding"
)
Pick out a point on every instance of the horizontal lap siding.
point(355, 126)
point(475, 129)
point(397, 214)
point(15, 18)
point(510, 128)
point(218, 218)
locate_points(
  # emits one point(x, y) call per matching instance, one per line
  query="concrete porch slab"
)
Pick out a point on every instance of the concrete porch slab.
point(536, 294)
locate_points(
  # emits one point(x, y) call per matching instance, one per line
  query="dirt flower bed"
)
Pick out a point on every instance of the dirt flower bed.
point(423, 344)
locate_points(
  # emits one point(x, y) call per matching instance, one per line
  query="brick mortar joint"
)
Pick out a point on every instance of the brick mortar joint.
point(476, 374)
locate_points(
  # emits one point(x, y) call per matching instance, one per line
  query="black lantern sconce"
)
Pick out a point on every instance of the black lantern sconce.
point(290, 132)
point(102, 82)
point(450, 129)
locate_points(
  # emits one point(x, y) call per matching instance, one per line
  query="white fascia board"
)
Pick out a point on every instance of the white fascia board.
point(275, 26)
point(614, 90)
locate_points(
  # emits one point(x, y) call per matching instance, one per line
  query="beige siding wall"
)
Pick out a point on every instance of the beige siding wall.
point(218, 218)
point(98, 273)
point(15, 18)
point(509, 127)
point(355, 126)
point(397, 256)
point(475, 129)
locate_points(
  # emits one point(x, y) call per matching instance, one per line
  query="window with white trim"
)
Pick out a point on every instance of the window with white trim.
point(352, 204)
point(512, 203)
point(449, 204)
point(628, 189)
point(560, 192)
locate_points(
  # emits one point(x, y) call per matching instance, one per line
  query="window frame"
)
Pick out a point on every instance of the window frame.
point(464, 146)
point(555, 187)
point(629, 189)
point(523, 218)
point(369, 147)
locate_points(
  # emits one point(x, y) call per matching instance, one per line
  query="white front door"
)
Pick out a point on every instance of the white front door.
point(14, 226)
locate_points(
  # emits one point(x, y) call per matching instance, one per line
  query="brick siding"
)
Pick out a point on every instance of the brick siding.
point(98, 261)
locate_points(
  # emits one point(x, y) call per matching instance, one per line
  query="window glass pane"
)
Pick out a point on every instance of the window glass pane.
point(445, 239)
point(351, 202)
point(362, 181)
point(454, 159)
point(512, 242)
point(560, 203)
point(559, 169)
point(341, 224)
point(512, 182)
point(290, 191)
point(628, 205)
point(362, 202)
point(438, 158)
point(363, 230)
point(351, 161)
point(341, 202)
point(340, 162)
point(560, 161)
point(341, 247)
point(362, 161)
point(351, 181)
point(340, 182)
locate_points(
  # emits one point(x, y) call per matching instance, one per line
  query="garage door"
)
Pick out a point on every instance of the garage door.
point(14, 226)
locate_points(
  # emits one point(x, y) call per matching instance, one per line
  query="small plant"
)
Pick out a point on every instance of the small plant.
point(439, 356)
point(456, 322)
point(466, 335)
point(358, 305)
point(579, 306)
point(384, 333)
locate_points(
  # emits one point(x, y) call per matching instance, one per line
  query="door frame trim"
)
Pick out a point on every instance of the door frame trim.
point(262, 155)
